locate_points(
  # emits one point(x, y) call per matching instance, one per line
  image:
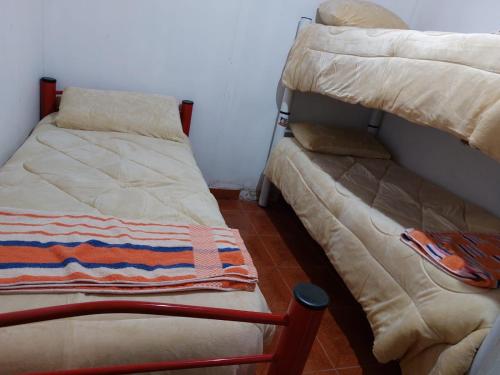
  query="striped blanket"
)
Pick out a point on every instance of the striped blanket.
point(473, 258)
point(45, 252)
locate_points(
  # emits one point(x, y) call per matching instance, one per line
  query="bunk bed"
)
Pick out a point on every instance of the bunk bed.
point(357, 208)
point(100, 168)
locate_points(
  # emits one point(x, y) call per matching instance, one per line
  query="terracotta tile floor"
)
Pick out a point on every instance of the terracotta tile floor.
point(284, 255)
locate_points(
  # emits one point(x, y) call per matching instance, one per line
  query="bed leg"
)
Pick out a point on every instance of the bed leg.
point(296, 339)
point(264, 192)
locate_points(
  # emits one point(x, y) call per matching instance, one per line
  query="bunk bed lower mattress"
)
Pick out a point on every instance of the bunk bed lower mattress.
point(356, 209)
point(128, 176)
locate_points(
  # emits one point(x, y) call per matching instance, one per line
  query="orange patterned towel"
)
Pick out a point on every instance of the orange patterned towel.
point(46, 252)
point(473, 258)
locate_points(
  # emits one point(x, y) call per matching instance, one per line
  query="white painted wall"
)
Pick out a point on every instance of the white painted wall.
point(21, 65)
point(226, 55)
point(458, 15)
point(443, 159)
point(436, 155)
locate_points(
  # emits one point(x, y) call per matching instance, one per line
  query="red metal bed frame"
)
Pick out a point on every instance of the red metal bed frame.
point(299, 327)
point(299, 324)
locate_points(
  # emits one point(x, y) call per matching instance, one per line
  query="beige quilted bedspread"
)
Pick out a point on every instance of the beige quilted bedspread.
point(449, 81)
point(128, 176)
point(356, 209)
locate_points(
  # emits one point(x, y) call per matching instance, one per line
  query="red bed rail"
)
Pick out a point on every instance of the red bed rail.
point(299, 327)
point(49, 103)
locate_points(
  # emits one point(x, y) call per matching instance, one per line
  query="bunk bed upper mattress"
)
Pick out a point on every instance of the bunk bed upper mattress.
point(127, 176)
point(448, 81)
point(357, 208)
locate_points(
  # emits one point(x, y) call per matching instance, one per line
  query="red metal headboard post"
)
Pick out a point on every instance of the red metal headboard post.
point(186, 112)
point(48, 93)
point(296, 339)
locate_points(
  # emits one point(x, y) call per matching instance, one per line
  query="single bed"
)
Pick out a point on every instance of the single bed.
point(127, 176)
point(132, 176)
point(357, 208)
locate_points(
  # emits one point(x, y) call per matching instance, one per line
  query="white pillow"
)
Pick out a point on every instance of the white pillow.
point(359, 13)
point(120, 111)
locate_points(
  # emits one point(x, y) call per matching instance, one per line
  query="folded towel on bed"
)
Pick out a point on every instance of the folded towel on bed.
point(473, 258)
point(46, 252)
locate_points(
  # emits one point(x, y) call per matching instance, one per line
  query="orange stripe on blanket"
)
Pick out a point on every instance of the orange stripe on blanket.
point(233, 257)
point(92, 234)
point(238, 270)
point(88, 253)
point(83, 276)
point(91, 227)
point(32, 215)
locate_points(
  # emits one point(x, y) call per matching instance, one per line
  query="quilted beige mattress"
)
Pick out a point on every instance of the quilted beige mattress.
point(449, 81)
point(128, 176)
point(356, 209)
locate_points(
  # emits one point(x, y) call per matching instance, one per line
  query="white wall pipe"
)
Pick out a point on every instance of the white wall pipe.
point(286, 102)
point(375, 121)
point(281, 123)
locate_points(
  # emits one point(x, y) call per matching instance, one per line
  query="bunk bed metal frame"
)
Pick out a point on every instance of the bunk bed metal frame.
point(282, 121)
point(486, 361)
point(281, 124)
point(299, 323)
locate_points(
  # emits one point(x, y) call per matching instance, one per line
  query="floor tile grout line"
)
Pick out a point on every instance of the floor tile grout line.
point(358, 366)
point(321, 371)
point(283, 279)
point(266, 249)
point(325, 352)
point(272, 257)
point(250, 222)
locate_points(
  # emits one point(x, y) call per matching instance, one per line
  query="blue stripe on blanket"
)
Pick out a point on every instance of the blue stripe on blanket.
point(118, 265)
point(226, 265)
point(96, 243)
point(429, 247)
point(228, 249)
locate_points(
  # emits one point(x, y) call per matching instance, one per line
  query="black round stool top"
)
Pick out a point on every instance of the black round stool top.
point(311, 296)
point(48, 79)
